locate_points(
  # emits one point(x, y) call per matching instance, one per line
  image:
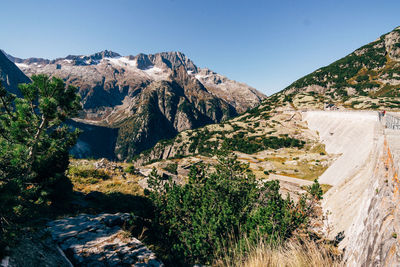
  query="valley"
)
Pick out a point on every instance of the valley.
point(150, 160)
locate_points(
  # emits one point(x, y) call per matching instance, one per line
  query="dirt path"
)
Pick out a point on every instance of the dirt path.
point(287, 179)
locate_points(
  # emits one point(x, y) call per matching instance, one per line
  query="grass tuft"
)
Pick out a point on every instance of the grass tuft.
point(294, 253)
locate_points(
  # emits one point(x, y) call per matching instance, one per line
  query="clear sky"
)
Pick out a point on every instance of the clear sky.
point(266, 44)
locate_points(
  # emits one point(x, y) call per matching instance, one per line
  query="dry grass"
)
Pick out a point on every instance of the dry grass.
point(86, 178)
point(312, 172)
point(319, 148)
point(325, 188)
point(305, 169)
point(292, 254)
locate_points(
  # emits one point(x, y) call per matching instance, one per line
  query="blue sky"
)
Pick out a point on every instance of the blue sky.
point(266, 44)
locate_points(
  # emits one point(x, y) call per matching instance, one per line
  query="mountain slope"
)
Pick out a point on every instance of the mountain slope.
point(11, 75)
point(146, 97)
point(270, 138)
point(369, 74)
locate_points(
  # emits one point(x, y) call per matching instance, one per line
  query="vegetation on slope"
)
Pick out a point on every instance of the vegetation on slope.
point(370, 72)
point(247, 133)
point(269, 139)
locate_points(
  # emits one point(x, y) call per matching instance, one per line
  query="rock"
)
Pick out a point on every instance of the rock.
point(89, 240)
point(115, 220)
point(36, 248)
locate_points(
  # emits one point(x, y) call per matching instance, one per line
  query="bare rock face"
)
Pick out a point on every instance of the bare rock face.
point(98, 240)
point(239, 95)
point(391, 45)
point(146, 97)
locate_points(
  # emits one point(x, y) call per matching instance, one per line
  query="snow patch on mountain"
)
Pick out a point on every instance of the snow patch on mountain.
point(22, 65)
point(156, 73)
point(122, 61)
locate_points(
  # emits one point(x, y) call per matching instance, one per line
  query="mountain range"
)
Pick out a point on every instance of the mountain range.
point(139, 100)
point(132, 102)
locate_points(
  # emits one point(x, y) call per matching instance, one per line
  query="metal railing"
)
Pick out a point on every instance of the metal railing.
point(391, 122)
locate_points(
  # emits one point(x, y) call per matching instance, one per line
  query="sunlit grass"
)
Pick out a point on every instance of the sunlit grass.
point(86, 178)
point(293, 253)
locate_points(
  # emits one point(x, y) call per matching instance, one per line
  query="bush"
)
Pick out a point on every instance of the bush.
point(172, 168)
point(362, 78)
point(315, 190)
point(195, 220)
point(131, 169)
point(91, 173)
point(250, 145)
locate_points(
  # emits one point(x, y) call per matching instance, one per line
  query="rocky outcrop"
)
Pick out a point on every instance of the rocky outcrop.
point(161, 151)
point(84, 240)
point(237, 94)
point(98, 240)
point(164, 109)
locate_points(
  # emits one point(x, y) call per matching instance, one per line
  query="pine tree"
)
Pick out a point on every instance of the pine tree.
point(34, 145)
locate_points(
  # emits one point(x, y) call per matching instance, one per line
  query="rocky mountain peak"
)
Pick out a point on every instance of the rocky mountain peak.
point(143, 62)
point(94, 59)
point(174, 60)
point(186, 81)
point(104, 54)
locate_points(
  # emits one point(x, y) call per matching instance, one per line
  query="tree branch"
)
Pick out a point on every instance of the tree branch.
point(32, 149)
point(5, 107)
